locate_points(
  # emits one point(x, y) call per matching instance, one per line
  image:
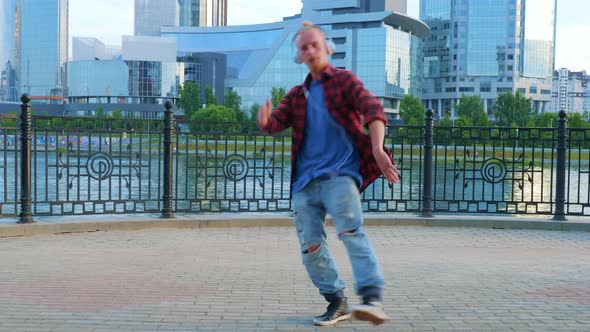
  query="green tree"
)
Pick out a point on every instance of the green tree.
point(9, 121)
point(513, 109)
point(470, 112)
point(576, 120)
point(210, 98)
point(57, 123)
point(101, 114)
point(444, 130)
point(411, 111)
point(234, 101)
point(253, 112)
point(190, 98)
point(277, 94)
point(42, 123)
point(213, 117)
point(548, 119)
point(134, 122)
point(117, 121)
point(445, 121)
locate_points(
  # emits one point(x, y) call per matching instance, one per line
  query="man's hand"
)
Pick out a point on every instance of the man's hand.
point(263, 115)
point(386, 166)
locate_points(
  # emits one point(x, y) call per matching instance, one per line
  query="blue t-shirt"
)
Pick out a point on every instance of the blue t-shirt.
point(327, 150)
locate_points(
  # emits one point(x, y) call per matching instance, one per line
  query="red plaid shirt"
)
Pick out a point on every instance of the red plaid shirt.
point(350, 104)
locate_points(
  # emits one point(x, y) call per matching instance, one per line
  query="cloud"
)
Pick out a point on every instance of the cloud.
point(96, 18)
point(241, 12)
point(570, 51)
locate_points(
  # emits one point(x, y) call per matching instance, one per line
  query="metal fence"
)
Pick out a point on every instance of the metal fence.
point(71, 165)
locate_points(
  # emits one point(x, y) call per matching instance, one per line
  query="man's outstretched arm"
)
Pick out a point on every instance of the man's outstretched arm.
point(377, 133)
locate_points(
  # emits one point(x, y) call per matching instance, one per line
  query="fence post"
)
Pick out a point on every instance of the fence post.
point(428, 144)
point(168, 150)
point(560, 176)
point(26, 134)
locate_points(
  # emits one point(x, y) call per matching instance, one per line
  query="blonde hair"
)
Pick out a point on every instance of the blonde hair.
point(307, 26)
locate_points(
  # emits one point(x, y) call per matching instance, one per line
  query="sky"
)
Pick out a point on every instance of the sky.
point(96, 18)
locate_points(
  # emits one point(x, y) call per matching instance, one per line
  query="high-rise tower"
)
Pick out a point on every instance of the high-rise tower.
point(43, 46)
point(488, 47)
point(203, 12)
point(151, 15)
point(34, 47)
point(8, 51)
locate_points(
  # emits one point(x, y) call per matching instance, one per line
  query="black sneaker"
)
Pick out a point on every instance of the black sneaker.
point(371, 311)
point(336, 312)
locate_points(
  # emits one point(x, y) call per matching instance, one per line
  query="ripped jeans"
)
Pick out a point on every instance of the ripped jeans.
point(340, 197)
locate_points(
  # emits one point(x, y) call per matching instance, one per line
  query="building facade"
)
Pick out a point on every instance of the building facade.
point(488, 47)
point(374, 39)
point(34, 48)
point(151, 15)
point(8, 51)
point(145, 72)
point(194, 13)
point(571, 91)
point(43, 46)
point(383, 47)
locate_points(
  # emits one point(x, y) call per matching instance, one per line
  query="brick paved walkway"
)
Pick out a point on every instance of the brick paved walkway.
point(251, 279)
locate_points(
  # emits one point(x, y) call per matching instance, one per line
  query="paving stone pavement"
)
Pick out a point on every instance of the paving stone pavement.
point(252, 279)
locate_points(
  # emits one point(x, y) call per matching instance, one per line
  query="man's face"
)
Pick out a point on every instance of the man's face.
point(312, 49)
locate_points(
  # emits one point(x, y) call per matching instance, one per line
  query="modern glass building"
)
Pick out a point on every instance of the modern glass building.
point(150, 15)
point(8, 51)
point(43, 32)
point(488, 47)
point(194, 13)
point(145, 72)
point(382, 46)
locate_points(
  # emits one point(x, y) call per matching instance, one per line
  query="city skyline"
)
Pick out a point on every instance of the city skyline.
point(87, 20)
point(94, 18)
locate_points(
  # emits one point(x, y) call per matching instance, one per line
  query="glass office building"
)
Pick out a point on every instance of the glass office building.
point(119, 81)
point(98, 78)
point(8, 51)
point(144, 72)
point(43, 46)
point(382, 47)
point(194, 13)
point(151, 15)
point(488, 47)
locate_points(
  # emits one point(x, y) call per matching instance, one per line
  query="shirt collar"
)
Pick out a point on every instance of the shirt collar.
point(326, 73)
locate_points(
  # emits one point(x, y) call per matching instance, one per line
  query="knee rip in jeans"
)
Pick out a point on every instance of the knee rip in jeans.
point(351, 231)
point(312, 249)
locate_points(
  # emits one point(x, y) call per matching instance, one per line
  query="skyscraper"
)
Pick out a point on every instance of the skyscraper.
point(195, 13)
point(8, 51)
point(151, 15)
point(488, 47)
point(41, 45)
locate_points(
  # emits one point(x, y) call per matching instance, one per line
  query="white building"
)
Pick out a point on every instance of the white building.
point(571, 91)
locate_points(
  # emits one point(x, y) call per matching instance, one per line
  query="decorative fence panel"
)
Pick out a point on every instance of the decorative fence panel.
point(106, 165)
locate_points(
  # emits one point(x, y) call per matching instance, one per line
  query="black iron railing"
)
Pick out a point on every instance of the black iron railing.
point(81, 165)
